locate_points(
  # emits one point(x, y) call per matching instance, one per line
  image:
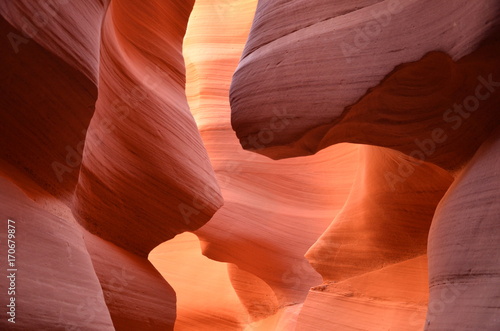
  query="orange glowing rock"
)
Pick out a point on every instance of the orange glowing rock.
point(336, 163)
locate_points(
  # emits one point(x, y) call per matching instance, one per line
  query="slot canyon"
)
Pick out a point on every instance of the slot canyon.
point(250, 165)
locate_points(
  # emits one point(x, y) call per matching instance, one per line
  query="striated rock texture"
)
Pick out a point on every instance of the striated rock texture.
point(137, 296)
point(54, 284)
point(392, 297)
point(464, 260)
point(381, 222)
point(372, 202)
point(97, 133)
point(365, 70)
point(372, 257)
point(421, 79)
point(144, 163)
point(49, 63)
point(205, 297)
point(273, 211)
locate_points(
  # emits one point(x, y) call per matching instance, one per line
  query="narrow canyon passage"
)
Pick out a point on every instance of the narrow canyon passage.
point(250, 165)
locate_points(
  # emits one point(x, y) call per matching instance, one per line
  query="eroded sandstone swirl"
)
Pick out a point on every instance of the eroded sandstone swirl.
point(337, 163)
point(97, 133)
point(421, 79)
point(144, 165)
point(266, 224)
point(386, 73)
point(50, 60)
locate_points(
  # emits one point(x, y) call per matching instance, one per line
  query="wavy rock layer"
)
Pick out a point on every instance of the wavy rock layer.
point(68, 29)
point(101, 160)
point(137, 296)
point(46, 108)
point(384, 221)
point(55, 286)
point(144, 164)
point(135, 164)
point(268, 205)
point(372, 257)
point(393, 297)
point(332, 64)
point(430, 113)
point(464, 260)
point(205, 297)
point(420, 78)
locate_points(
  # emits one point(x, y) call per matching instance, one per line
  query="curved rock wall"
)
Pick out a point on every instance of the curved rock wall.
point(266, 225)
point(347, 66)
point(97, 126)
point(464, 262)
point(52, 280)
point(421, 79)
point(144, 163)
point(205, 297)
point(382, 222)
point(117, 136)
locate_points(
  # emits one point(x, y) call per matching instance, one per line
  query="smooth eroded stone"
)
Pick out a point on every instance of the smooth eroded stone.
point(54, 283)
point(386, 218)
point(273, 211)
point(137, 296)
point(393, 297)
point(47, 105)
point(464, 259)
point(144, 164)
point(366, 76)
point(206, 299)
